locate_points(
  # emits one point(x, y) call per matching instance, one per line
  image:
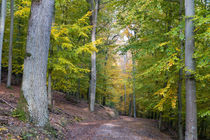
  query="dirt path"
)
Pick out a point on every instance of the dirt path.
point(124, 128)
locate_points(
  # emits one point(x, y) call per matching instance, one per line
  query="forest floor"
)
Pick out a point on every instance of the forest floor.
point(72, 120)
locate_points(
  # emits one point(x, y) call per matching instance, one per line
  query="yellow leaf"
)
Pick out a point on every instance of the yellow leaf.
point(3, 129)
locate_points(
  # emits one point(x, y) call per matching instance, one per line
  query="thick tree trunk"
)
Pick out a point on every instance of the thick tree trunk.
point(35, 64)
point(191, 109)
point(134, 87)
point(9, 77)
point(2, 26)
point(93, 57)
point(180, 127)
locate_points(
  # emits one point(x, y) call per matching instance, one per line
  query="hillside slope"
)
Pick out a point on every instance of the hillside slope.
point(72, 120)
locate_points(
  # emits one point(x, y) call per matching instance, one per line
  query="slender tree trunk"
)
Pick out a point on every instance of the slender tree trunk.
point(180, 127)
point(9, 77)
point(49, 91)
point(35, 64)
point(93, 56)
point(2, 26)
point(124, 71)
point(130, 105)
point(160, 121)
point(78, 90)
point(125, 99)
point(105, 79)
point(191, 109)
point(134, 87)
point(104, 101)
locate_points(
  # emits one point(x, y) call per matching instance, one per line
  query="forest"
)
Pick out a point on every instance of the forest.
point(92, 69)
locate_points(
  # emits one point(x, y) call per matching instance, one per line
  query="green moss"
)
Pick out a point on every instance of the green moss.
point(21, 112)
point(27, 54)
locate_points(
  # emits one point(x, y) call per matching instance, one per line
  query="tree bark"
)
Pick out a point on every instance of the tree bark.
point(124, 71)
point(180, 127)
point(191, 109)
point(78, 90)
point(160, 121)
point(35, 64)
point(2, 26)
point(93, 56)
point(134, 87)
point(9, 77)
point(130, 105)
point(105, 79)
point(49, 91)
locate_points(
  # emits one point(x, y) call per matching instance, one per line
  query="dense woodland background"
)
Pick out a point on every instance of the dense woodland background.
point(139, 46)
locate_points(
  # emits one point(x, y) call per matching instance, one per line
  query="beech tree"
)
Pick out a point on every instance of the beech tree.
point(94, 8)
point(134, 87)
point(191, 108)
point(10, 44)
point(35, 63)
point(180, 123)
point(155, 70)
point(2, 26)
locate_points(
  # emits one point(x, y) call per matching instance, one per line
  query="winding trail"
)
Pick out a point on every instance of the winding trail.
point(125, 128)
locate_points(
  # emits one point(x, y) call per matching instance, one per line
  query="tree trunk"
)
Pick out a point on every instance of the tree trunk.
point(130, 105)
point(105, 79)
point(2, 26)
point(134, 87)
point(124, 71)
point(93, 56)
point(9, 77)
point(78, 90)
point(104, 101)
point(191, 109)
point(49, 91)
point(180, 127)
point(35, 64)
point(160, 121)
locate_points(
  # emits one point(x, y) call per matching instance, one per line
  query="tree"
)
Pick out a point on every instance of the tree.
point(134, 87)
point(94, 8)
point(180, 127)
point(35, 63)
point(191, 108)
point(10, 44)
point(2, 26)
point(124, 71)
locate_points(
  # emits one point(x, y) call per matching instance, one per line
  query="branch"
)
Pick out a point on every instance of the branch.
point(4, 101)
point(173, 1)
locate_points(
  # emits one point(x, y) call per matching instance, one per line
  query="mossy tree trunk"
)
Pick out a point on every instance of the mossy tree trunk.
point(35, 64)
